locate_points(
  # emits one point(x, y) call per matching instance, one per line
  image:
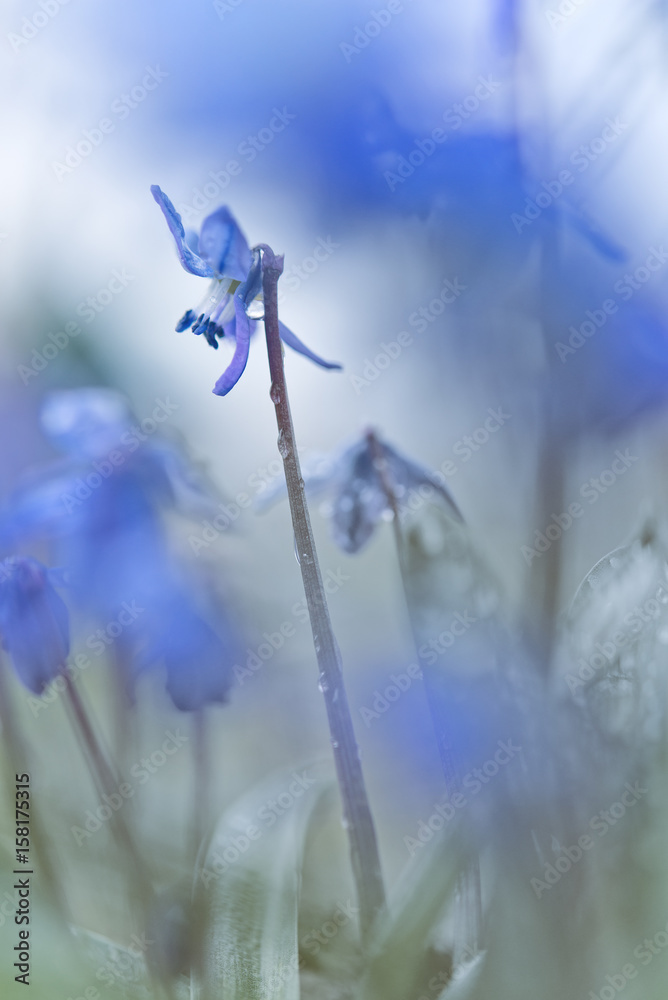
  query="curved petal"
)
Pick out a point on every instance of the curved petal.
point(192, 240)
point(235, 369)
point(224, 246)
point(252, 286)
point(190, 261)
point(289, 338)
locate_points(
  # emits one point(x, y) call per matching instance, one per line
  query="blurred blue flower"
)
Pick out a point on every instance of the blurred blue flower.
point(102, 510)
point(34, 622)
point(234, 299)
point(198, 661)
point(370, 478)
point(370, 481)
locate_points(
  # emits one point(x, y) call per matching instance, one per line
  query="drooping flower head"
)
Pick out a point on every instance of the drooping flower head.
point(34, 622)
point(369, 481)
point(233, 302)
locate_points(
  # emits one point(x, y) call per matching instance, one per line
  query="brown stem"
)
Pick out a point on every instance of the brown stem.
point(201, 780)
point(106, 783)
point(356, 810)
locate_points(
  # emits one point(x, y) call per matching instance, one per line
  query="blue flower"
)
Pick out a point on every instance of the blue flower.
point(101, 507)
point(34, 622)
point(368, 480)
point(198, 661)
point(233, 302)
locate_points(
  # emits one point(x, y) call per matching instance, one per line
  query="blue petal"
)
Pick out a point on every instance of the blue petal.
point(235, 369)
point(598, 239)
point(289, 338)
point(224, 246)
point(253, 282)
point(190, 261)
point(34, 622)
point(192, 240)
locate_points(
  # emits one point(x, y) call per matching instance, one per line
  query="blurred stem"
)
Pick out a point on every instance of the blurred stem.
point(201, 779)
point(356, 810)
point(17, 762)
point(125, 734)
point(468, 917)
point(107, 784)
point(545, 575)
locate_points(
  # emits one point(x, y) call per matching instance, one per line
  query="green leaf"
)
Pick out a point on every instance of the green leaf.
point(117, 967)
point(248, 882)
point(615, 649)
point(397, 967)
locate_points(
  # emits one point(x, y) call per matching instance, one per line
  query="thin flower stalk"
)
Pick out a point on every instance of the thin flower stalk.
point(357, 813)
point(106, 783)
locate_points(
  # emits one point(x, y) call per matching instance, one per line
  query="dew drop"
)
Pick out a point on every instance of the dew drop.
point(323, 686)
point(275, 393)
point(283, 446)
point(335, 744)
